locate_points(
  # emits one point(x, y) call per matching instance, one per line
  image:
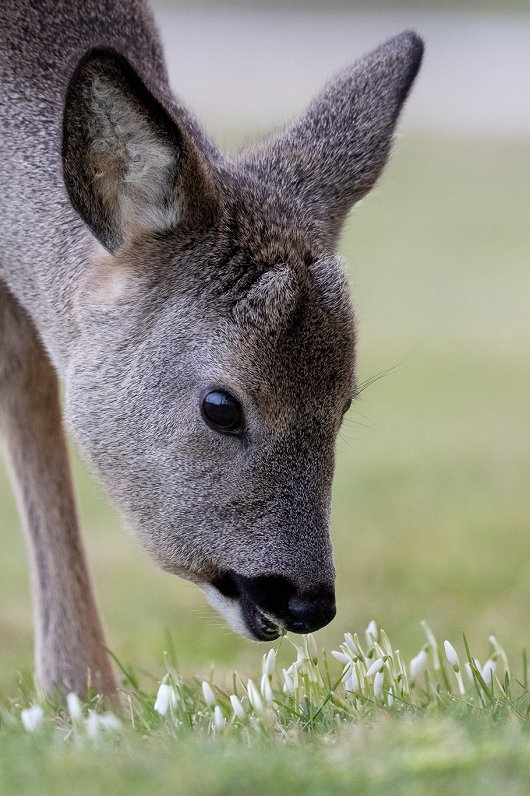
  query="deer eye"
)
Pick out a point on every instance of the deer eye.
point(222, 412)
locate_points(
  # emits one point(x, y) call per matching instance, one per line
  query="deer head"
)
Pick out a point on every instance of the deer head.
point(216, 350)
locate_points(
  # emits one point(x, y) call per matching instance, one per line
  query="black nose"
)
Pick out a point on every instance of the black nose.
point(310, 612)
point(296, 610)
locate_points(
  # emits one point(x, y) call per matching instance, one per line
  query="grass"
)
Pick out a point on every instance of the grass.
point(359, 719)
point(430, 519)
point(442, 756)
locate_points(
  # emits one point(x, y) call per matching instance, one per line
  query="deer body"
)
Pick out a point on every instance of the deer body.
point(194, 309)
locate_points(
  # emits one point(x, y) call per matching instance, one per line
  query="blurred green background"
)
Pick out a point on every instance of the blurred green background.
point(432, 491)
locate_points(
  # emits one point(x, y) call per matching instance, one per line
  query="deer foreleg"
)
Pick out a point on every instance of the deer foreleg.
point(69, 640)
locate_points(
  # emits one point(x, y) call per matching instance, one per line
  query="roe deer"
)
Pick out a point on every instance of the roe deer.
point(193, 307)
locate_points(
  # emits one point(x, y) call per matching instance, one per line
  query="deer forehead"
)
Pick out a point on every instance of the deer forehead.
point(290, 341)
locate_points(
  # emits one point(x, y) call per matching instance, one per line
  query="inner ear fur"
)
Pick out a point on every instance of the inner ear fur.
point(125, 159)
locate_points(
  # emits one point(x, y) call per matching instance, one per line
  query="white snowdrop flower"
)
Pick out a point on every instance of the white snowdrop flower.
point(375, 667)
point(390, 697)
point(431, 638)
point(32, 718)
point(352, 646)
point(451, 655)
point(164, 698)
point(378, 683)
point(266, 689)
point(341, 657)
point(371, 632)
point(254, 697)
point(351, 683)
point(387, 646)
point(92, 725)
point(218, 718)
point(73, 704)
point(312, 647)
point(288, 682)
point(488, 670)
point(499, 651)
point(469, 670)
point(109, 722)
point(269, 662)
point(208, 694)
point(237, 707)
point(296, 665)
point(417, 665)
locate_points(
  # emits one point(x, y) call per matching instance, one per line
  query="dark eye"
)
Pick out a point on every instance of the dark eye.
point(222, 411)
point(346, 406)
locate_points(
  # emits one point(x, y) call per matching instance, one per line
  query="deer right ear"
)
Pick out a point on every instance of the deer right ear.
point(127, 164)
point(334, 154)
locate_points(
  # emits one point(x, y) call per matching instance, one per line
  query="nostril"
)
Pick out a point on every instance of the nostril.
point(307, 614)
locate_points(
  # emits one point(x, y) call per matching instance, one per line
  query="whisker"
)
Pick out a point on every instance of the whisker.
point(357, 423)
point(372, 379)
point(355, 411)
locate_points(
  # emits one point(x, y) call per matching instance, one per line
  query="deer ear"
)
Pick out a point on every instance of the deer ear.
point(126, 161)
point(336, 151)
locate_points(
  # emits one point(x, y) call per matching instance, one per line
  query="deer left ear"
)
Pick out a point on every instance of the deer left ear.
point(334, 154)
point(128, 166)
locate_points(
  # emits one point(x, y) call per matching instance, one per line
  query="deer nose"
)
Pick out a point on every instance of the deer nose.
point(307, 613)
point(275, 596)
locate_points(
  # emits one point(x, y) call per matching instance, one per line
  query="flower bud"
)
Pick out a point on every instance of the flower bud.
point(488, 670)
point(312, 647)
point(452, 657)
point(375, 667)
point(341, 657)
point(266, 689)
point(254, 697)
point(74, 707)
point(469, 670)
point(92, 725)
point(208, 694)
point(218, 718)
point(269, 662)
point(237, 707)
point(165, 697)
point(371, 632)
point(351, 683)
point(378, 683)
point(431, 638)
point(32, 718)
point(352, 646)
point(289, 685)
point(417, 665)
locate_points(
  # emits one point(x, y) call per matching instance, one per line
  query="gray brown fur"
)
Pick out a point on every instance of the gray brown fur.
point(208, 272)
